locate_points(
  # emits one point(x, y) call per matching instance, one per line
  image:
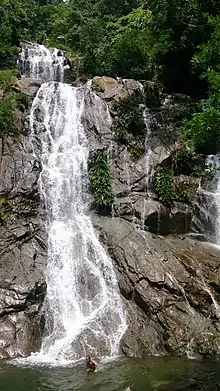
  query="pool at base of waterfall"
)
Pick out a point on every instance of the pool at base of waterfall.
point(162, 374)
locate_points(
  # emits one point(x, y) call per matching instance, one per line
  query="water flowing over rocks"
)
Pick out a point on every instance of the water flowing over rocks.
point(83, 308)
point(171, 289)
point(169, 284)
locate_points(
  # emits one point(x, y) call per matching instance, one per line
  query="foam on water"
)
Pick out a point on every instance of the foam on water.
point(39, 62)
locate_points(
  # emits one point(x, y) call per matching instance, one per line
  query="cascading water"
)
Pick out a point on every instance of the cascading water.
point(148, 160)
point(207, 205)
point(148, 151)
point(83, 308)
point(39, 62)
point(213, 162)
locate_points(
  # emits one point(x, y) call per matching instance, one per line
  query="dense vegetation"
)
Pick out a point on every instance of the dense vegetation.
point(174, 43)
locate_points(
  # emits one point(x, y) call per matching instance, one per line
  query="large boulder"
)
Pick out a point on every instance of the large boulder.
point(170, 288)
point(111, 89)
point(26, 85)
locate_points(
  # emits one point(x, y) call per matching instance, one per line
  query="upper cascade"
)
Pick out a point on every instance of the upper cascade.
point(45, 64)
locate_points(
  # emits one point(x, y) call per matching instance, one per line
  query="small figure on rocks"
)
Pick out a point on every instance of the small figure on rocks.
point(91, 365)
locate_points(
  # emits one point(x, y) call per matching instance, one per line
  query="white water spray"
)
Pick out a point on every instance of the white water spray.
point(84, 312)
point(39, 62)
point(208, 201)
point(148, 160)
point(213, 162)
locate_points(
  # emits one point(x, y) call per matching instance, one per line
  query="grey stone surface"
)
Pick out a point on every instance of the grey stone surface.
point(170, 287)
point(22, 250)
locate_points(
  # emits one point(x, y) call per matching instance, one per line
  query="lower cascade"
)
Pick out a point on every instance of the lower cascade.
point(83, 309)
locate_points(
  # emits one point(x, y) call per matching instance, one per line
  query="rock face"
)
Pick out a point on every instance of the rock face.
point(170, 284)
point(132, 178)
point(27, 86)
point(22, 250)
point(170, 287)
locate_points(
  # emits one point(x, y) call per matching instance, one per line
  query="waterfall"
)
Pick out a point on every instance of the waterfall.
point(83, 309)
point(148, 151)
point(207, 204)
point(148, 161)
point(38, 62)
point(213, 163)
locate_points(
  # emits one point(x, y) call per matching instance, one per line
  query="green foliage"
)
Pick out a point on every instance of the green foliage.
point(129, 123)
point(186, 162)
point(202, 131)
point(7, 122)
point(21, 100)
point(164, 186)
point(136, 149)
point(207, 56)
point(153, 94)
point(17, 21)
point(11, 101)
point(172, 43)
point(185, 191)
point(7, 78)
point(100, 181)
point(130, 46)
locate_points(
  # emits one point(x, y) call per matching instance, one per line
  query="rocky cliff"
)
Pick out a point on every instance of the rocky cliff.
point(22, 248)
point(169, 284)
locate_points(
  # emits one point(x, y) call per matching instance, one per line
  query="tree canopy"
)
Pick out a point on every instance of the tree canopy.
point(173, 42)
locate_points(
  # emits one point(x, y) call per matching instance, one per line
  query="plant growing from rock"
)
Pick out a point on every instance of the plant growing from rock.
point(100, 181)
point(153, 94)
point(186, 162)
point(129, 115)
point(7, 121)
point(136, 149)
point(129, 123)
point(11, 100)
point(7, 78)
point(164, 186)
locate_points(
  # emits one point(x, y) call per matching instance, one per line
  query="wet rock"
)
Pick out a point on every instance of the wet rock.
point(169, 285)
point(26, 85)
point(97, 122)
point(181, 218)
point(19, 169)
point(22, 250)
point(154, 216)
point(197, 236)
point(169, 304)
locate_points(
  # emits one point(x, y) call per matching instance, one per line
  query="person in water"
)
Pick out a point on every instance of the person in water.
point(91, 365)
